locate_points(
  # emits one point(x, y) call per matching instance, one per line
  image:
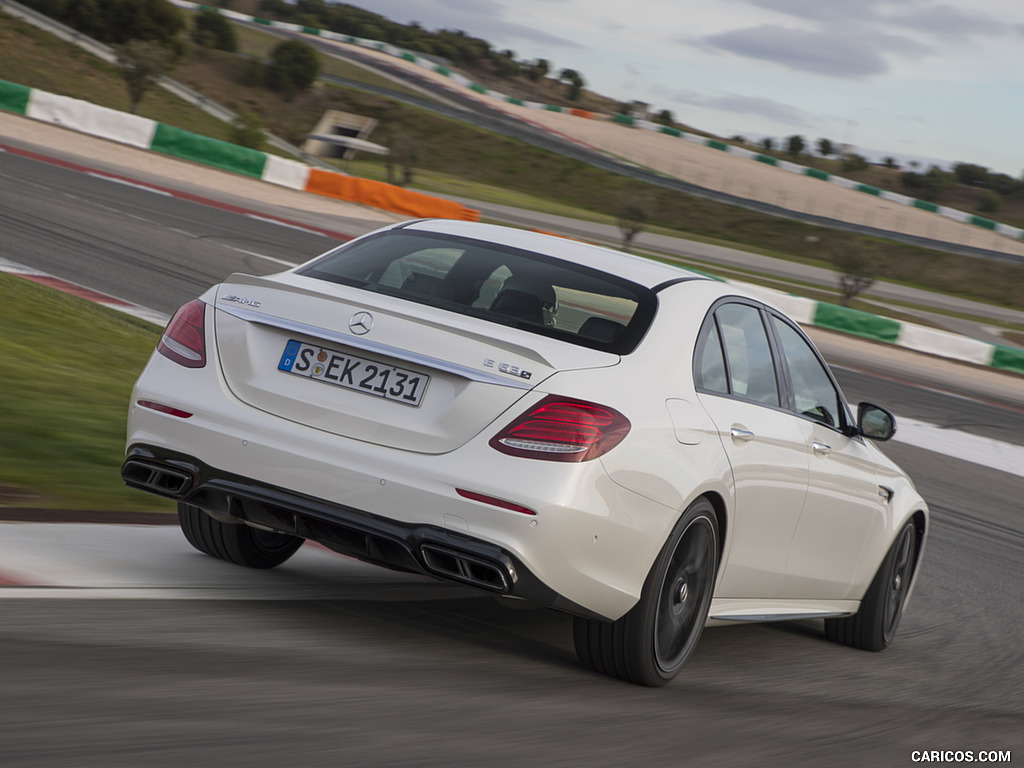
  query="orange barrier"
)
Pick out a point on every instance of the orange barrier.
point(386, 196)
point(582, 113)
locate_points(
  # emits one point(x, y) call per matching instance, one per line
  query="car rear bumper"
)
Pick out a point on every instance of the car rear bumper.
point(417, 548)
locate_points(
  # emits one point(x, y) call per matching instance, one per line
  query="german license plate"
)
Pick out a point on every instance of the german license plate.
point(350, 372)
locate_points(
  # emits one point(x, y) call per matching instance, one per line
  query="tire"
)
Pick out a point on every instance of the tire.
point(235, 542)
point(651, 643)
point(873, 627)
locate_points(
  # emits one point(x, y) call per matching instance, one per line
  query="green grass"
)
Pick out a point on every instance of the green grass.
point(68, 370)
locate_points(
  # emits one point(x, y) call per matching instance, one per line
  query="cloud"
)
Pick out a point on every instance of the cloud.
point(486, 19)
point(947, 23)
point(855, 40)
point(746, 105)
point(846, 54)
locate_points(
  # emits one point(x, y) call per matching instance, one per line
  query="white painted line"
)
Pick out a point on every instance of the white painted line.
point(288, 264)
point(284, 224)
point(147, 314)
point(984, 451)
point(19, 269)
point(127, 183)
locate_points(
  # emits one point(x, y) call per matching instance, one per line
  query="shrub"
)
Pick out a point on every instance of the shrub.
point(211, 30)
point(247, 131)
point(854, 162)
point(293, 67)
point(990, 201)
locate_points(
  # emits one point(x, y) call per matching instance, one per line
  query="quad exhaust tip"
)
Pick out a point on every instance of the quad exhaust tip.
point(157, 478)
point(464, 568)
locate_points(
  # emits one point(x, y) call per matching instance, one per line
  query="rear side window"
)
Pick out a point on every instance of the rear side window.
point(734, 356)
point(502, 285)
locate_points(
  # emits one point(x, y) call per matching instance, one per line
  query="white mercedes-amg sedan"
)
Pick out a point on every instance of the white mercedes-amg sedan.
point(637, 445)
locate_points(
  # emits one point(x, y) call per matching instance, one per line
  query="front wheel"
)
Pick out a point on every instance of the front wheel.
point(873, 627)
point(235, 542)
point(650, 644)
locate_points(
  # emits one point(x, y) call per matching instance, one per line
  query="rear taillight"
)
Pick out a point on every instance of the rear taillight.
point(563, 429)
point(184, 339)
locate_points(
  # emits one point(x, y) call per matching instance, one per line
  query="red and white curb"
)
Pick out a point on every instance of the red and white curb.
point(66, 286)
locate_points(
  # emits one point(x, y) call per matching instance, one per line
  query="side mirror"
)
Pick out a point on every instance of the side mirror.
point(875, 423)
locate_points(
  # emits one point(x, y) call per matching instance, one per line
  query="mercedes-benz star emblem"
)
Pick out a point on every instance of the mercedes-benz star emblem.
point(360, 323)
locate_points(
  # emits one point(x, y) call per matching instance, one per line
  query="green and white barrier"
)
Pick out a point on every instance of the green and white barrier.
point(919, 338)
point(144, 133)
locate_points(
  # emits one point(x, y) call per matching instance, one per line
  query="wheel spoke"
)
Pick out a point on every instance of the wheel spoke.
point(682, 595)
point(899, 582)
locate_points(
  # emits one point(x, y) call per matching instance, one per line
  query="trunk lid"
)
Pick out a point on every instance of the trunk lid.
point(375, 367)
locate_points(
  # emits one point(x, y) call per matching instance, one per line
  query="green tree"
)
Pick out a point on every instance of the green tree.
point(575, 81)
point(538, 69)
point(632, 217)
point(969, 173)
point(212, 30)
point(932, 185)
point(767, 144)
point(117, 21)
point(85, 16)
point(857, 268)
point(293, 67)
point(665, 117)
point(826, 148)
point(155, 20)
point(854, 162)
point(990, 202)
point(505, 63)
point(795, 145)
point(142, 64)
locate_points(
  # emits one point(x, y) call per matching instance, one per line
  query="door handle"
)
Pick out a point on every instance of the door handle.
point(821, 449)
point(741, 434)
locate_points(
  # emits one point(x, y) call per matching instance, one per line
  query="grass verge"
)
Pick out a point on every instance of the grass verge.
point(69, 367)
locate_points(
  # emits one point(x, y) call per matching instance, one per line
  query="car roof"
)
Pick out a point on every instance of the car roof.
point(645, 272)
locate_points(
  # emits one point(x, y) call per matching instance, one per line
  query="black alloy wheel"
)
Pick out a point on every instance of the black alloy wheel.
point(651, 643)
point(874, 626)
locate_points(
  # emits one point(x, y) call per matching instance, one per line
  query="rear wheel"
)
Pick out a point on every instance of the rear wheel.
point(873, 627)
point(235, 542)
point(650, 644)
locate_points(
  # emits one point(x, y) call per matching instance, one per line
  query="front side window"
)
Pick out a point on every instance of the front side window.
point(814, 394)
point(499, 284)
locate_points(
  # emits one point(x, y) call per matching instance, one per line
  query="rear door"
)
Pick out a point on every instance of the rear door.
point(738, 385)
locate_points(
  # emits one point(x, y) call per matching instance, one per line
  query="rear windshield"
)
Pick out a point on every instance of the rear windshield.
point(502, 285)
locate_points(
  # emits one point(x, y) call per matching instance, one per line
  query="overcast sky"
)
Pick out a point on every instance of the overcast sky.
point(914, 79)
